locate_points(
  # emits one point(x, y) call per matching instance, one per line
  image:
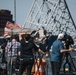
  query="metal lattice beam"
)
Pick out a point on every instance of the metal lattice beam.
point(54, 15)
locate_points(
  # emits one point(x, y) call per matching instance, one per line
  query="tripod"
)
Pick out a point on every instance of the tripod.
point(11, 61)
point(69, 60)
point(69, 66)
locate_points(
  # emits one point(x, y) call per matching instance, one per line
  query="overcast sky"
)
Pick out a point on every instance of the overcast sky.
point(23, 7)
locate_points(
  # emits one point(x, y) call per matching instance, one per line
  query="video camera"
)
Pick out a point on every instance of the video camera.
point(68, 41)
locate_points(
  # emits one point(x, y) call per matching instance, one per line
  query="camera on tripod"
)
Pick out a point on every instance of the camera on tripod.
point(69, 66)
point(68, 41)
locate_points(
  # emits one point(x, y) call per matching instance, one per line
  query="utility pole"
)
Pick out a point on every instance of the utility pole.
point(15, 11)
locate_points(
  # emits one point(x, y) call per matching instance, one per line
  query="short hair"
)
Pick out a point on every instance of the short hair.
point(13, 37)
point(27, 37)
point(61, 36)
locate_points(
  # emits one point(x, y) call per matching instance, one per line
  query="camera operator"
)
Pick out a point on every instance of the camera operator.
point(26, 54)
point(57, 54)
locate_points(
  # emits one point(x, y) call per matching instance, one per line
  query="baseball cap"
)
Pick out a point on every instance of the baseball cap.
point(61, 36)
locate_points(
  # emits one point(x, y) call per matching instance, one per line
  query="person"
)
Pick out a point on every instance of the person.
point(12, 50)
point(26, 54)
point(57, 54)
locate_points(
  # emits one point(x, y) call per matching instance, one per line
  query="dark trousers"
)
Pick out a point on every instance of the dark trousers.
point(26, 63)
point(55, 68)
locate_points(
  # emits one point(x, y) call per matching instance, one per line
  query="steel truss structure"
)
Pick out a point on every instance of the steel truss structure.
point(54, 15)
